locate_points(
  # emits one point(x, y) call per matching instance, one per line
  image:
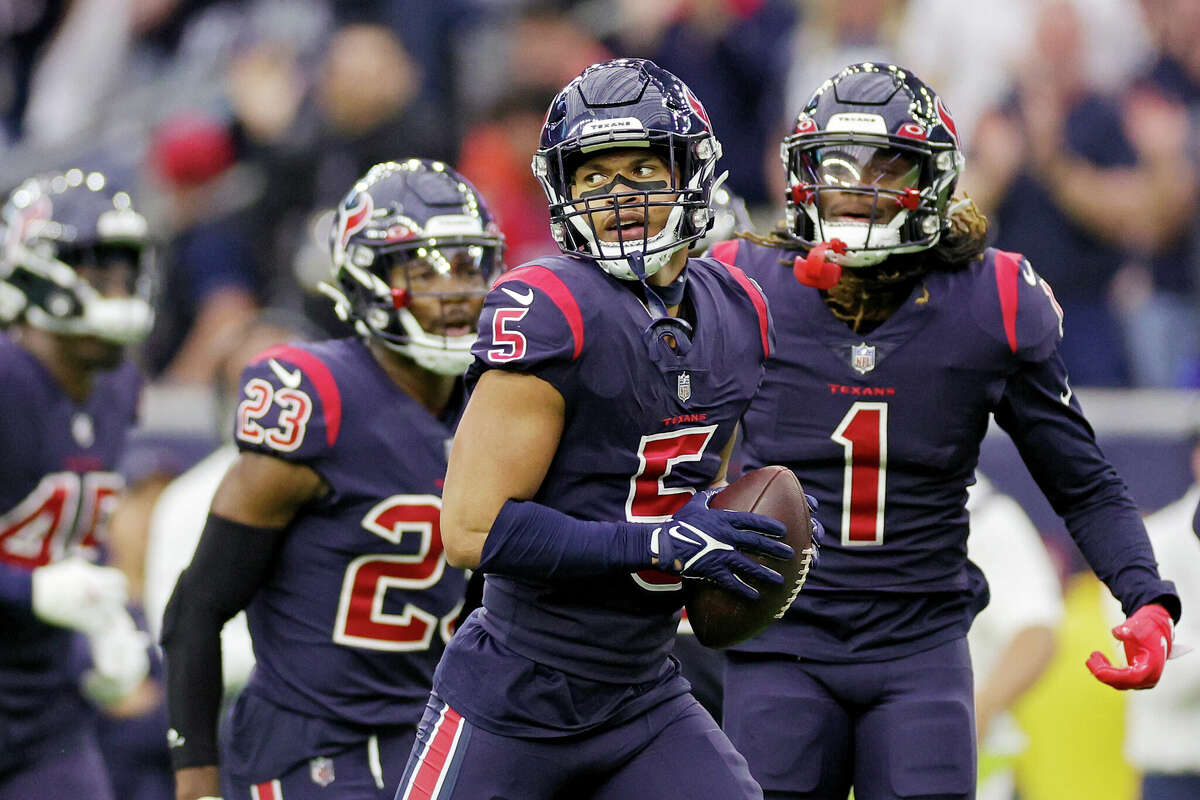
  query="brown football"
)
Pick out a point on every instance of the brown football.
point(721, 618)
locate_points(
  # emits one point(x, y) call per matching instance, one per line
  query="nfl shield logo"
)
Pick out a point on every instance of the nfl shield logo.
point(320, 769)
point(683, 387)
point(862, 357)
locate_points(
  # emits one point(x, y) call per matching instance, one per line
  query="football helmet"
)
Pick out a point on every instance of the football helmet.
point(54, 227)
point(872, 161)
point(417, 217)
point(628, 103)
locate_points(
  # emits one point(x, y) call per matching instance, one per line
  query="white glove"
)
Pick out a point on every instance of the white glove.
point(119, 661)
point(80, 595)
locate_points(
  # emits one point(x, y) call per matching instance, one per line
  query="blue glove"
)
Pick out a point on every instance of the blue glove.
point(817, 529)
point(703, 542)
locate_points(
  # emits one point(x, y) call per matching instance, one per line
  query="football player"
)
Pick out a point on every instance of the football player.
point(607, 385)
point(326, 527)
point(900, 336)
point(73, 294)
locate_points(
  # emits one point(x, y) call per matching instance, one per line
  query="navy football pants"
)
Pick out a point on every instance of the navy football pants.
point(673, 752)
point(903, 728)
point(368, 771)
point(72, 771)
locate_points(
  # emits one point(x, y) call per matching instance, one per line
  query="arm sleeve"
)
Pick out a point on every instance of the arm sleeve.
point(1059, 447)
point(231, 562)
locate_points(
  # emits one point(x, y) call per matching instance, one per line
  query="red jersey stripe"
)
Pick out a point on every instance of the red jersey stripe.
point(541, 278)
point(725, 251)
point(760, 306)
point(322, 378)
point(1008, 268)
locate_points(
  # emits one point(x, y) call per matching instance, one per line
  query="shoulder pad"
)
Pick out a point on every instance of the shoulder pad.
point(754, 293)
point(530, 316)
point(290, 406)
point(1016, 306)
point(726, 251)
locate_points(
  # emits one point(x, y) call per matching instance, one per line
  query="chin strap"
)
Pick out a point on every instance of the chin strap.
point(814, 270)
point(666, 336)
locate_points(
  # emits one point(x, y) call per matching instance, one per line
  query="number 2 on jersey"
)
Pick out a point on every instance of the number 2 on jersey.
point(862, 433)
point(361, 619)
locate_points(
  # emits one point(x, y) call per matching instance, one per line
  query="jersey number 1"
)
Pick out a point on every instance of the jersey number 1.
point(862, 433)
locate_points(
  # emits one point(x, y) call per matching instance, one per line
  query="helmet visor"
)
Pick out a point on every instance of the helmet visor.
point(861, 166)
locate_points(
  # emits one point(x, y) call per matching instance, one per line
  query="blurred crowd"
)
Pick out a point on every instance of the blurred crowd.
point(238, 122)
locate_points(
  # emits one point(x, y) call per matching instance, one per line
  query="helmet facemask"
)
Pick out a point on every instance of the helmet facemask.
point(580, 220)
point(871, 164)
point(878, 195)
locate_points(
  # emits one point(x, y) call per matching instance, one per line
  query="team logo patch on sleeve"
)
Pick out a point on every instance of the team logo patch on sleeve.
point(862, 357)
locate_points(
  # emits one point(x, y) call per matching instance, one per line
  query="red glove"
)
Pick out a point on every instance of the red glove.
point(1147, 635)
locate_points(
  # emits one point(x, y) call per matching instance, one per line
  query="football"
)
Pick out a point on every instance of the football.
point(721, 618)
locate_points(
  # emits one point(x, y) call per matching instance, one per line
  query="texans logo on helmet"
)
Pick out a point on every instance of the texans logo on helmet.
point(947, 121)
point(354, 219)
point(697, 106)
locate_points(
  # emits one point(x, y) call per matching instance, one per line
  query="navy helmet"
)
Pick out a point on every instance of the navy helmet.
point(402, 217)
point(57, 224)
point(627, 103)
point(872, 130)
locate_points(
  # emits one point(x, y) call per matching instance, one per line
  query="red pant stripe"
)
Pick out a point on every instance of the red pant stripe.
point(426, 782)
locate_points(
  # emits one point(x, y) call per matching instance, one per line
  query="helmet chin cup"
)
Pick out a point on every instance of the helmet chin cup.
point(815, 269)
point(617, 259)
point(443, 355)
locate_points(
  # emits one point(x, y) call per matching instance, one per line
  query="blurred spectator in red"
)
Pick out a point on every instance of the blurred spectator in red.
point(209, 279)
point(1077, 182)
point(495, 157)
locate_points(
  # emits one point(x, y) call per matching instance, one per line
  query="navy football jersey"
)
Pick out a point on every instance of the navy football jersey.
point(884, 429)
point(644, 429)
point(58, 483)
point(350, 623)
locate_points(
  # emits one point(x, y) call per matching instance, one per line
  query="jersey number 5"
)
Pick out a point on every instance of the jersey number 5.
point(862, 433)
point(651, 500)
point(361, 619)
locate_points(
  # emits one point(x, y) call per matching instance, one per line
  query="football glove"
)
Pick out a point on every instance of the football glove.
point(703, 542)
point(815, 527)
point(120, 661)
point(1148, 636)
point(74, 593)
